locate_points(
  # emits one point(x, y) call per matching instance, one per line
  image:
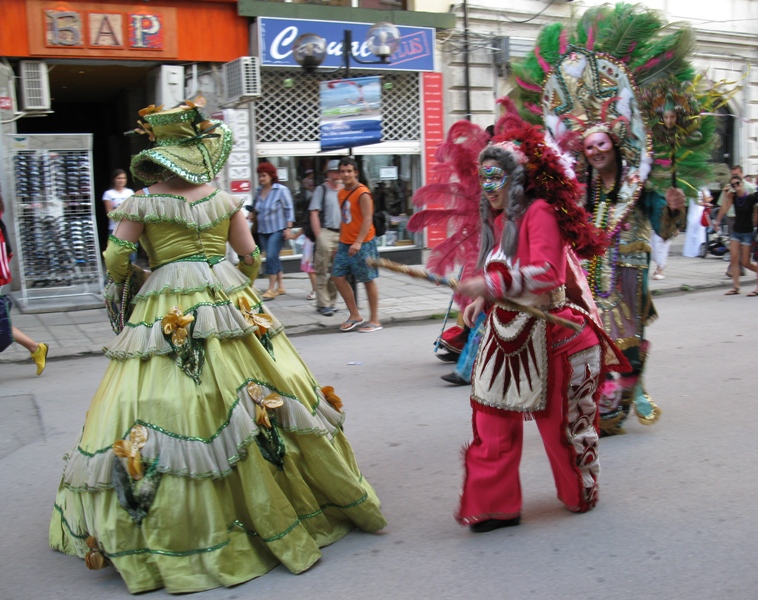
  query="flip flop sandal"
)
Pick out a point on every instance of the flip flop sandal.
point(752, 294)
point(280, 292)
point(311, 296)
point(268, 295)
point(733, 292)
point(370, 328)
point(351, 324)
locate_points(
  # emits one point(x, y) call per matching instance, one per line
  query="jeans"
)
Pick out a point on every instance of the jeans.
point(271, 244)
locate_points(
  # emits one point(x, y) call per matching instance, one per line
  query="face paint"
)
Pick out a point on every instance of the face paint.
point(492, 179)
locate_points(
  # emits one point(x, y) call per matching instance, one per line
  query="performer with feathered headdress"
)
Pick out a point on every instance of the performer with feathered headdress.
point(601, 88)
point(528, 367)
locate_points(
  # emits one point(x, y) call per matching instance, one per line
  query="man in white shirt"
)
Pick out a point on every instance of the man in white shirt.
point(325, 221)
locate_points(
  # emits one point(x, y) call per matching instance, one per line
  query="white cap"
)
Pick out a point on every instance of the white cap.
point(333, 165)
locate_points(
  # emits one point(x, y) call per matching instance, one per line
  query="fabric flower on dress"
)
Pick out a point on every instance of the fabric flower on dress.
point(130, 449)
point(94, 559)
point(333, 399)
point(259, 320)
point(263, 402)
point(175, 324)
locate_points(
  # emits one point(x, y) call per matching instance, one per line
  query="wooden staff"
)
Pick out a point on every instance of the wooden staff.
point(452, 282)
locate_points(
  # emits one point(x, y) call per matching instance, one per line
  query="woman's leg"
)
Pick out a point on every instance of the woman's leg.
point(23, 339)
point(269, 247)
point(734, 256)
point(38, 351)
point(745, 256)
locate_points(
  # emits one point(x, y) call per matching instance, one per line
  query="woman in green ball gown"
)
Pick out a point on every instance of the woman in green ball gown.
point(209, 453)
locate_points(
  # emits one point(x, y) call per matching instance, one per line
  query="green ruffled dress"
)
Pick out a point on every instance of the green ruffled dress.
point(209, 459)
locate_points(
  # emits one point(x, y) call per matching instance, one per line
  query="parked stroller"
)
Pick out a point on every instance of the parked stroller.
point(716, 242)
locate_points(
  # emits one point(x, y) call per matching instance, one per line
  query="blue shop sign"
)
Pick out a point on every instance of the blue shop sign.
point(276, 36)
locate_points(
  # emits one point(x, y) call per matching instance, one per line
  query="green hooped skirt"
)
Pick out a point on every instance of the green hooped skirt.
point(184, 485)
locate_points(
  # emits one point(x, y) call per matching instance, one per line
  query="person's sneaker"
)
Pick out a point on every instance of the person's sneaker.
point(40, 357)
point(325, 311)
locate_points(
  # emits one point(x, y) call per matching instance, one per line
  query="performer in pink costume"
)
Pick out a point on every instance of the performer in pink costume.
point(526, 367)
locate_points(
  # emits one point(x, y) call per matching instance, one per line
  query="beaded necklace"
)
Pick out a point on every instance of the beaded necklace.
point(598, 266)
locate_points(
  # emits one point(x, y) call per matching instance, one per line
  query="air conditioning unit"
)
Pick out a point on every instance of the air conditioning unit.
point(165, 86)
point(35, 86)
point(242, 79)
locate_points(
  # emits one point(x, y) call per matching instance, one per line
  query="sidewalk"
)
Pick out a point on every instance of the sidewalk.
point(83, 332)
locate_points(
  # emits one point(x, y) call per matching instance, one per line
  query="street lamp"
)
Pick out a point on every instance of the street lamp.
point(382, 40)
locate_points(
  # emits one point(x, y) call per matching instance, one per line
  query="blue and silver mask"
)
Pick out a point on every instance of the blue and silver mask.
point(492, 179)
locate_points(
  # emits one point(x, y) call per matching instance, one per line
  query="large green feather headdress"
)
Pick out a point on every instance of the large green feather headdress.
point(641, 54)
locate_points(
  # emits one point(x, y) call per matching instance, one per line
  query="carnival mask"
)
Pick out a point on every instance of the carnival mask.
point(492, 179)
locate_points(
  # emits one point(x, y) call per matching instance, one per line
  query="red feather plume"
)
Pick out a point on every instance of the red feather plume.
point(453, 199)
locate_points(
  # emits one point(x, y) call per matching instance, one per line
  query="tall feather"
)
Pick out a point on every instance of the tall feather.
point(452, 199)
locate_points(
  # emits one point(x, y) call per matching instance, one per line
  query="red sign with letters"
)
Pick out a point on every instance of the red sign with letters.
point(241, 186)
point(434, 134)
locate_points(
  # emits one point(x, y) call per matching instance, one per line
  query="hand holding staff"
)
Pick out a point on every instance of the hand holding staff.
point(452, 282)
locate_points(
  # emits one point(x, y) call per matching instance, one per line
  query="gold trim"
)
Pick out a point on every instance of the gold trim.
point(655, 415)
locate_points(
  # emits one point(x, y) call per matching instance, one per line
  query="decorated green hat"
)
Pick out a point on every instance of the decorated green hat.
point(185, 144)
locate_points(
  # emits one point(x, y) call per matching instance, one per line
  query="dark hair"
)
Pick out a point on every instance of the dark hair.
point(349, 161)
point(589, 204)
point(2, 204)
point(270, 170)
point(116, 173)
point(735, 167)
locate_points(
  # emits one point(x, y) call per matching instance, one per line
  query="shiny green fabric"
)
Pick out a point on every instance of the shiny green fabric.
point(208, 529)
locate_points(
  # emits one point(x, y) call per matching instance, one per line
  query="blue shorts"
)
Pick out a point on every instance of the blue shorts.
point(272, 244)
point(745, 239)
point(356, 266)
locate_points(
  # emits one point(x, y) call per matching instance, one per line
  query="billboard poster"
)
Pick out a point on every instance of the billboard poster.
point(351, 113)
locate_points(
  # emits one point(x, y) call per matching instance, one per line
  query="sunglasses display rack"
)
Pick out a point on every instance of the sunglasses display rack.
point(56, 236)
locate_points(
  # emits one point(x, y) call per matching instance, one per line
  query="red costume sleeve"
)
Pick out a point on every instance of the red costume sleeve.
point(540, 262)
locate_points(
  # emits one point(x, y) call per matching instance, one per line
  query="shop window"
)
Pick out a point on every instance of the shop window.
point(392, 178)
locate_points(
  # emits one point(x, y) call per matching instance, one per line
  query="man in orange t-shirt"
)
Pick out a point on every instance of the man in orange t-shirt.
point(356, 244)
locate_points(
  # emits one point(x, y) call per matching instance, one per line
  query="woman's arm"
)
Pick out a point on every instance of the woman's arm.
point(241, 241)
point(129, 231)
point(289, 208)
point(239, 236)
point(728, 198)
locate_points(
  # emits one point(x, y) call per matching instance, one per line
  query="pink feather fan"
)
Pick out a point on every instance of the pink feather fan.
point(456, 190)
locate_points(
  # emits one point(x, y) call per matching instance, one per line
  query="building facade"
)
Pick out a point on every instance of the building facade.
point(496, 33)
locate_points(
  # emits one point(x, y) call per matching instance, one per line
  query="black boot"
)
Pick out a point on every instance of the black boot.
point(447, 356)
point(492, 524)
point(454, 378)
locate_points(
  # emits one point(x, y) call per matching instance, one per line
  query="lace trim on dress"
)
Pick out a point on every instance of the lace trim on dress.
point(143, 340)
point(201, 458)
point(174, 209)
point(189, 277)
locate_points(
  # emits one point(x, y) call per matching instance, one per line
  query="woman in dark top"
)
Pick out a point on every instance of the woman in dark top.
point(741, 236)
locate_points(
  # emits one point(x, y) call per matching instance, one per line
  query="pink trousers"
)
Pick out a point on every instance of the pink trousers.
point(492, 488)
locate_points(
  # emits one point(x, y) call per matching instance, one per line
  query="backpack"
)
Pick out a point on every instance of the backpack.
point(307, 229)
point(380, 223)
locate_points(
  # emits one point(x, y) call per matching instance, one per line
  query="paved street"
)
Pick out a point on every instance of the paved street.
point(677, 517)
